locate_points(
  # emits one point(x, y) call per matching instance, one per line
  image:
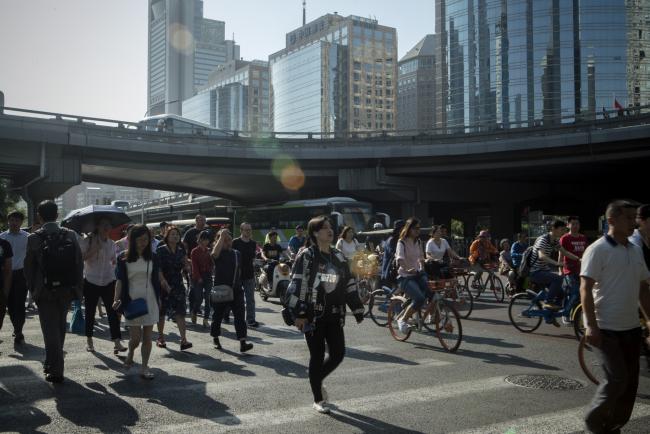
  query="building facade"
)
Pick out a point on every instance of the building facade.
point(513, 63)
point(336, 74)
point(184, 48)
point(416, 87)
point(236, 97)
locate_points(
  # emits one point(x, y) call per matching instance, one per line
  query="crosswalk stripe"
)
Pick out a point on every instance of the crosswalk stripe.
point(249, 421)
point(556, 422)
point(216, 389)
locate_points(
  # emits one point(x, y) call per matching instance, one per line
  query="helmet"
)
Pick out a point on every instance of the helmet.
point(377, 226)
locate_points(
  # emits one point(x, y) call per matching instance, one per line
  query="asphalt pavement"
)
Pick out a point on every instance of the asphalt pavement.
point(382, 385)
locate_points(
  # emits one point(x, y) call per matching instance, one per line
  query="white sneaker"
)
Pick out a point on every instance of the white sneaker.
point(402, 326)
point(321, 408)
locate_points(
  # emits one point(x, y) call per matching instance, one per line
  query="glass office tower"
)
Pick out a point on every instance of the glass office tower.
point(510, 63)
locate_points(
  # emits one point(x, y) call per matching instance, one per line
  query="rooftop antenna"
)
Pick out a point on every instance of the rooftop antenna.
point(304, 12)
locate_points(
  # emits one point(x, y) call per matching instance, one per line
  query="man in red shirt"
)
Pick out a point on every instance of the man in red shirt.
point(575, 243)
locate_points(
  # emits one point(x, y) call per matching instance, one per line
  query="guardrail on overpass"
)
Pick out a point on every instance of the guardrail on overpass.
point(602, 120)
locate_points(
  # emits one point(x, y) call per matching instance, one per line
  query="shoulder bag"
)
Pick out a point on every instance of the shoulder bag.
point(138, 307)
point(225, 293)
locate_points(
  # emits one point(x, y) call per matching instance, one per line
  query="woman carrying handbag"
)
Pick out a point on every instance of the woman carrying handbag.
point(228, 293)
point(137, 295)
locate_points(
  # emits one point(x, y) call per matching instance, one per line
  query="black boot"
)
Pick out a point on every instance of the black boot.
point(216, 343)
point(245, 346)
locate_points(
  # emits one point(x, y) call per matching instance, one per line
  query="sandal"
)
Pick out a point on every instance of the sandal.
point(160, 343)
point(185, 345)
point(119, 349)
point(146, 374)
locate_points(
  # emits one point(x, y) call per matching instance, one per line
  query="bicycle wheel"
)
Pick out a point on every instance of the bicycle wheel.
point(496, 285)
point(378, 305)
point(463, 302)
point(448, 326)
point(590, 362)
point(426, 319)
point(475, 285)
point(578, 322)
point(522, 312)
point(396, 310)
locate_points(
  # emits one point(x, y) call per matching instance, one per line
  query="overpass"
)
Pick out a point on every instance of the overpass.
point(433, 173)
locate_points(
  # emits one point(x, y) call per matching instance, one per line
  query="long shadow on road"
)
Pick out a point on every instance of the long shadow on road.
point(494, 358)
point(368, 356)
point(16, 412)
point(368, 424)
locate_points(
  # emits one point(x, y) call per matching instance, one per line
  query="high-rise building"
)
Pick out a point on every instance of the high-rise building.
point(236, 97)
point(184, 48)
point(335, 74)
point(416, 87)
point(509, 63)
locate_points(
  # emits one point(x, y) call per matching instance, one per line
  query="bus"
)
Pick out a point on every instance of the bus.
point(284, 218)
point(215, 223)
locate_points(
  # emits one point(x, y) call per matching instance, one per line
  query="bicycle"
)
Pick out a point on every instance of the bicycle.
point(590, 361)
point(436, 315)
point(492, 282)
point(526, 313)
point(458, 293)
point(378, 304)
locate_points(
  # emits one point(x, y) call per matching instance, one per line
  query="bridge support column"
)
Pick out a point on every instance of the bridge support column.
point(504, 220)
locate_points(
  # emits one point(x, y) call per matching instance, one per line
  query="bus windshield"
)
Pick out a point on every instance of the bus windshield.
point(357, 217)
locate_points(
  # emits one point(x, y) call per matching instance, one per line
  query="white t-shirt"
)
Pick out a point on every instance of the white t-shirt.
point(99, 269)
point(618, 271)
point(18, 246)
point(436, 252)
point(348, 249)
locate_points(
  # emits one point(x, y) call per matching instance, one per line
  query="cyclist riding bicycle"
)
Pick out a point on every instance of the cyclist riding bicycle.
point(542, 264)
point(481, 252)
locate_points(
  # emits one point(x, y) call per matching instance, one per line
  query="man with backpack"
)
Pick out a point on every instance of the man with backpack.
point(54, 272)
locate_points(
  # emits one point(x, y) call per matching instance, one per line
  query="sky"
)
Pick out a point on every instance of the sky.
point(89, 57)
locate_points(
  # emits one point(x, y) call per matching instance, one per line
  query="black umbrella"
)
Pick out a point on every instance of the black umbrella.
point(84, 219)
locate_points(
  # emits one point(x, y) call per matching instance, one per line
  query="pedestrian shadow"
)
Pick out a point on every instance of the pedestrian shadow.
point(495, 342)
point(94, 406)
point(178, 394)
point(493, 358)
point(368, 356)
point(209, 362)
point(283, 367)
point(27, 351)
point(265, 310)
point(16, 413)
point(368, 424)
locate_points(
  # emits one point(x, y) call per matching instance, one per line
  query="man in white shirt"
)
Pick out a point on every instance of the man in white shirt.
point(18, 291)
point(614, 281)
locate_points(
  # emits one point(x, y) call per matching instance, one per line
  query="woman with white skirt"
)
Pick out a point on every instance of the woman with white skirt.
point(137, 295)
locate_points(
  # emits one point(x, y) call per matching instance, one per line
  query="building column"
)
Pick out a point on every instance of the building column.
point(503, 223)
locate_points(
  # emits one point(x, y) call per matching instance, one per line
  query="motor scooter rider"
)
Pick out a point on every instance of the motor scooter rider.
point(271, 254)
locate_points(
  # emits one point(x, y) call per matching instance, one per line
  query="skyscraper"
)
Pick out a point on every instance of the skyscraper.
point(184, 48)
point(509, 63)
point(416, 87)
point(335, 74)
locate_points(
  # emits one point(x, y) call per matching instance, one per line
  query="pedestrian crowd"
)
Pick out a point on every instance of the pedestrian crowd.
point(141, 279)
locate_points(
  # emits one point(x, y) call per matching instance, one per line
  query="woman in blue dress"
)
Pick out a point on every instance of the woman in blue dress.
point(173, 259)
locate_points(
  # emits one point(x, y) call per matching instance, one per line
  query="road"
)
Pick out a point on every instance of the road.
point(382, 385)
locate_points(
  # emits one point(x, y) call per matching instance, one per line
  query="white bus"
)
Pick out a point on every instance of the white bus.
point(174, 124)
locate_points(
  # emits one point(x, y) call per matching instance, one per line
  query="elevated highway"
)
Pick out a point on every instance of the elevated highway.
point(46, 153)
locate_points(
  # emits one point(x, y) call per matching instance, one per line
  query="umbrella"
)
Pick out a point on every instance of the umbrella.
point(80, 220)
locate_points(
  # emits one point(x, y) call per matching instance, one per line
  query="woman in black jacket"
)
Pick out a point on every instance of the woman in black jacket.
point(321, 287)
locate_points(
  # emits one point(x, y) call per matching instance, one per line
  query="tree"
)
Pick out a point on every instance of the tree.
point(8, 199)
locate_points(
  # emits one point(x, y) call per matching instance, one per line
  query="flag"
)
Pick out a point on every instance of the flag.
point(617, 105)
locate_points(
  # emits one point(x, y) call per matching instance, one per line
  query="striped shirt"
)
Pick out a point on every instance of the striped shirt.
point(546, 244)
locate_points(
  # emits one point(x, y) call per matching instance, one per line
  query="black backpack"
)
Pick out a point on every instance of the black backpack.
point(526, 262)
point(59, 260)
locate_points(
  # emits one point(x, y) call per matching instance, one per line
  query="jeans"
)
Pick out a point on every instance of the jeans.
point(612, 404)
point(416, 287)
point(201, 294)
point(554, 283)
point(249, 293)
point(92, 294)
point(330, 331)
point(221, 310)
point(16, 301)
